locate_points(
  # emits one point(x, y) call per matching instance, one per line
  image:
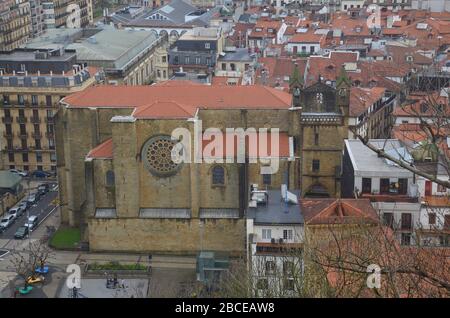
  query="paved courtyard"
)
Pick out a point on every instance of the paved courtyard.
point(96, 288)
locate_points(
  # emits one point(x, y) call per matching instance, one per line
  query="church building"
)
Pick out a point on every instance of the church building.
point(120, 184)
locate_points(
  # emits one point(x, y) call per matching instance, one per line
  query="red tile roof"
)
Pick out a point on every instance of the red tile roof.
point(277, 69)
point(307, 37)
point(328, 67)
point(164, 109)
point(337, 211)
point(362, 98)
point(430, 100)
point(195, 96)
point(102, 151)
point(350, 26)
point(264, 26)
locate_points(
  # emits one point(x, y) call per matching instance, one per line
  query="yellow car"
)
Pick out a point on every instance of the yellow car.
point(35, 279)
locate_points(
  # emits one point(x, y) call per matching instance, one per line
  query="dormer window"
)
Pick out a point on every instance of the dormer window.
point(258, 29)
point(270, 30)
point(409, 58)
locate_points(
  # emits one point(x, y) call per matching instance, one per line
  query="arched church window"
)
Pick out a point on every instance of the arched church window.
point(218, 175)
point(110, 178)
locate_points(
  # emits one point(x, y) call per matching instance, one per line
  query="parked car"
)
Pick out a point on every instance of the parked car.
point(16, 212)
point(27, 203)
point(32, 222)
point(43, 188)
point(22, 232)
point(6, 222)
point(32, 199)
point(19, 172)
point(40, 174)
point(23, 205)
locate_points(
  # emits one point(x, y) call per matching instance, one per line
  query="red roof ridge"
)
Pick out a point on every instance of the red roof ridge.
point(140, 112)
point(326, 209)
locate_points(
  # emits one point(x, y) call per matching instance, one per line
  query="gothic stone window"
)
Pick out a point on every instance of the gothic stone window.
point(110, 178)
point(218, 175)
point(157, 156)
point(267, 179)
point(315, 165)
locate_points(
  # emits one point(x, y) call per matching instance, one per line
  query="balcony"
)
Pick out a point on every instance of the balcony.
point(49, 120)
point(23, 135)
point(21, 120)
point(389, 198)
point(35, 120)
point(278, 248)
point(7, 120)
point(8, 134)
point(49, 135)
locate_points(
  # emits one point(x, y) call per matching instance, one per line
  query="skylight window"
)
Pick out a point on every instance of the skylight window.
point(167, 9)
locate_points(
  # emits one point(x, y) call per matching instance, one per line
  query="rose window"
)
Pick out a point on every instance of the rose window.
point(157, 156)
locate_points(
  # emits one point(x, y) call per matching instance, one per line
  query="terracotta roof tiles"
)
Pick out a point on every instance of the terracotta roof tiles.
point(102, 151)
point(196, 96)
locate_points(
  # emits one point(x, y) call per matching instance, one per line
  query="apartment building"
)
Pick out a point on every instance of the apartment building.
point(126, 56)
point(392, 190)
point(37, 17)
point(67, 13)
point(196, 51)
point(15, 23)
point(32, 83)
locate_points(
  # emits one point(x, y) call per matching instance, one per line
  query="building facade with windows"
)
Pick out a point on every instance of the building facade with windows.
point(15, 24)
point(275, 231)
point(67, 13)
point(237, 65)
point(196, 51)
point(37, 17)
point(31, 85)
point(392, 190)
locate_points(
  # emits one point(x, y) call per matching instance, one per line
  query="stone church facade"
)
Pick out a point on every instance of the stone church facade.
point(120, 186)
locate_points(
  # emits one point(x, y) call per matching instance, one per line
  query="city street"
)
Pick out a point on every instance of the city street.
point(42, 209)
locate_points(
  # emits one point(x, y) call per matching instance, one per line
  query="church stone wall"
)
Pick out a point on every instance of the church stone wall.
point(174, 236)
